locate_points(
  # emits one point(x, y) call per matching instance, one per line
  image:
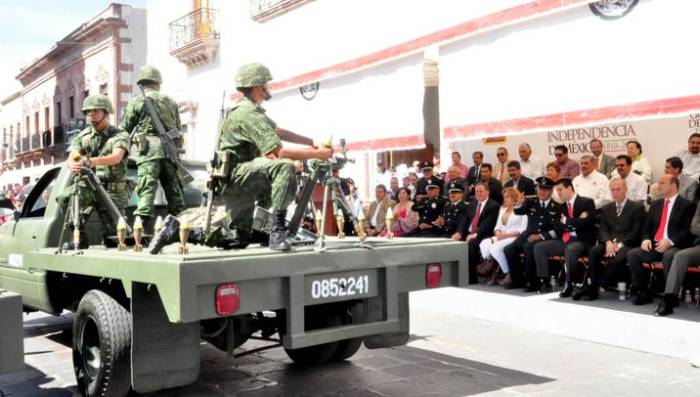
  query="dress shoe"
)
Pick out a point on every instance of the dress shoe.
point(642, 298)
point(531, 287)
point(567, 291)
point(666, 306)
point(579, 294)
point(507, 281)
point(545, 288)
point(591, 295)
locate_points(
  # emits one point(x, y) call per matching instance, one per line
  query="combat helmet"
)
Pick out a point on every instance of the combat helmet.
point(149, 73)
point(98, 102)
point(252, 75)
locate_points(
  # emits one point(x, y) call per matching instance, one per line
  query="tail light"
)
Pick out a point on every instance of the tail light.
point(433, 275)
point(228, 299)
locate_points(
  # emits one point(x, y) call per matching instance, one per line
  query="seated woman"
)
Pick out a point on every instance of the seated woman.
point(405, 219)
point(508, 227)
point(553, 172)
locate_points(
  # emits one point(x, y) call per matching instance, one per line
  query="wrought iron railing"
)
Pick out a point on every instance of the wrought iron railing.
point(200, 23)
point(262, 9)
point(25, 145)
point(36, 141)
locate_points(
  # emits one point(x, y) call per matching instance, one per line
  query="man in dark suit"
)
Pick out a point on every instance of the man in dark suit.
point(519, 181)
point(481, 220)
point(619, 231)
point(542, 213)
point(474, 174)
point(605, 163)
point(428, 178)
point(679, 268)
point(666, 231)
point(495, 187)
point(575, 230)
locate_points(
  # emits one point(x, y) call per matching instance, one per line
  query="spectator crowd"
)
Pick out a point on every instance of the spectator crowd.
point(593, 224)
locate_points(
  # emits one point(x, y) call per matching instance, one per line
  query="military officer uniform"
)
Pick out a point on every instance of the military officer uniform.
point(92, 143)
point(423, 182)
point(454, 213)
point(153, 165)
point(541, 218)
point(429, 209)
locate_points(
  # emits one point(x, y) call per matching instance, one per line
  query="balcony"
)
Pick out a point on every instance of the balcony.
point(261, 10)
point(36, 141)
point(194, 38)
point(25, 145)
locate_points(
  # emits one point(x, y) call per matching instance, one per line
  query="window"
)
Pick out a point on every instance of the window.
point(47, 124)
point(71, 104)
point(103, 89)
point(36, 122)
point(58, 114)
point(38, 198)
point(86, 94)
point(26, 125)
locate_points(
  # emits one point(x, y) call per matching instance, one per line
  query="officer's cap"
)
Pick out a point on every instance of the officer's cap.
point(544, 183)
point(426, 165)
point(431, 184)
point(455, 187)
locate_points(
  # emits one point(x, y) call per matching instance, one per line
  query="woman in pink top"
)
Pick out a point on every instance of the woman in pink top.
point(405, 220)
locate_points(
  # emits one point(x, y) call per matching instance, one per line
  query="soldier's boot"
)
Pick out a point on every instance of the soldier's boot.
point(70, 245)
point(278, 237)
point(168, 235)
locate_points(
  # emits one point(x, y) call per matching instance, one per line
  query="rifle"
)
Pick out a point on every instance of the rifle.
point(216, 165)
point(167, 139)
point(76, 212)
point(94, 183)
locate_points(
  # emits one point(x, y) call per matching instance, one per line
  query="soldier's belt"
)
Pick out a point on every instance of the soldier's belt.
point(118, 186)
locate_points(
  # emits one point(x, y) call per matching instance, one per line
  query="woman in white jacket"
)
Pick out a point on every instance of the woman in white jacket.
point(508, 227)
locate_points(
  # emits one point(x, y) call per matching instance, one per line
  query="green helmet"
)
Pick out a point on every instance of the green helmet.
point(252, 75)
point(98, 102)
point(149, 73)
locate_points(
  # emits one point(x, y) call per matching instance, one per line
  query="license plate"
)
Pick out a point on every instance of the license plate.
point(340, 286)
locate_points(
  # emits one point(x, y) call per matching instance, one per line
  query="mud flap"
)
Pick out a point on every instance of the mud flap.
point(390, 339)
point(11, 332)
point(163, 354)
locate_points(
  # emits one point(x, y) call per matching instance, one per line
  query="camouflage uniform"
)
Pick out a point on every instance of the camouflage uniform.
point(92, 143)
point(153, 166)
point(247, 135)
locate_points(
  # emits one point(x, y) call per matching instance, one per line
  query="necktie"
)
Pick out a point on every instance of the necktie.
point(542, 204)
point(567, 235)
point(475, 220)
point(619, 209)
point(500, 176)
point(600, 163)
point(662, 224)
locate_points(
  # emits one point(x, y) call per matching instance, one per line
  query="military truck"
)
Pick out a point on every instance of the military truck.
point(139, 318)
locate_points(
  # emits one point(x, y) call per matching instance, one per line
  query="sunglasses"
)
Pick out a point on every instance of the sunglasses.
point(500, 154)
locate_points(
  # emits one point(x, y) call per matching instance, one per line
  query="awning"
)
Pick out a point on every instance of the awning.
point(571, 69)
point(380, 108)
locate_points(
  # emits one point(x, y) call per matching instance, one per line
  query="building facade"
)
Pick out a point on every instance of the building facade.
point(102, 56)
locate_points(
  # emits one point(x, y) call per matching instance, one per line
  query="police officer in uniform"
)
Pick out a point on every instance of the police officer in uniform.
point(428, 177)
point(429, 210)
point(153, 165)
point(454, 215)
point(104, 148)
point(542, 214)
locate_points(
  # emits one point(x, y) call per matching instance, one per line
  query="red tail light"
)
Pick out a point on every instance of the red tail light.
point(228, 299)
point(433, 275)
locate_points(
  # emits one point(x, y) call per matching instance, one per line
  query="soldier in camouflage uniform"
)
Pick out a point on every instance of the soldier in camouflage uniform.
point(153, 166)
point(103, 147)
point(260, 166)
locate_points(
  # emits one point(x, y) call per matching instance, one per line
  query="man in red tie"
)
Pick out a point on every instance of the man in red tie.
point(482, 216)
point(576, 231)
point(667, 230)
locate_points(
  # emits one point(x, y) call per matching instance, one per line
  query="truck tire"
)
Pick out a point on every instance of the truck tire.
point(326, 317)
point(102, 346)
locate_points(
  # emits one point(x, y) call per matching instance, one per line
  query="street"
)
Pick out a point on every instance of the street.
point(448, 355)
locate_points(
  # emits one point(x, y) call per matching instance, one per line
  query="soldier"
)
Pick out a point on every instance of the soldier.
point(104, 148)
point(153, 165)
point(454, 214)
point(429, 209)
point(542, 214)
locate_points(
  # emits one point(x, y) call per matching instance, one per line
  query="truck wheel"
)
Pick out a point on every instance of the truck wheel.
point(102, 346)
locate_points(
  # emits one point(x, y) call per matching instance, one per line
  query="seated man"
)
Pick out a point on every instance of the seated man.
point(688, 184)
point(429, 209)
point(520, 181)
point(666, 231)
point(620, 230)
point(454, 214)
point(591, 183)
point(637, 187)
point(481, 220)
point(576, 231)
point(428, 177)
point(679, 267)
point(542, 213)
point(494, 186)
point(376, 213)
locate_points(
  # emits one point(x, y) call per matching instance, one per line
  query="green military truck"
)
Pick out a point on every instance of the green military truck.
point(139, 318)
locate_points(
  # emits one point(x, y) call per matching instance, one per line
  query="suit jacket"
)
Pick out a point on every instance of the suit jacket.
point(679, 221)
point(626, 228)
point(525, 185)
point(487, 219)
point(495, 190)
point(381, 216)
point(497, 172)
point(474, 174)
point(584, 226)
point(607, 165)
